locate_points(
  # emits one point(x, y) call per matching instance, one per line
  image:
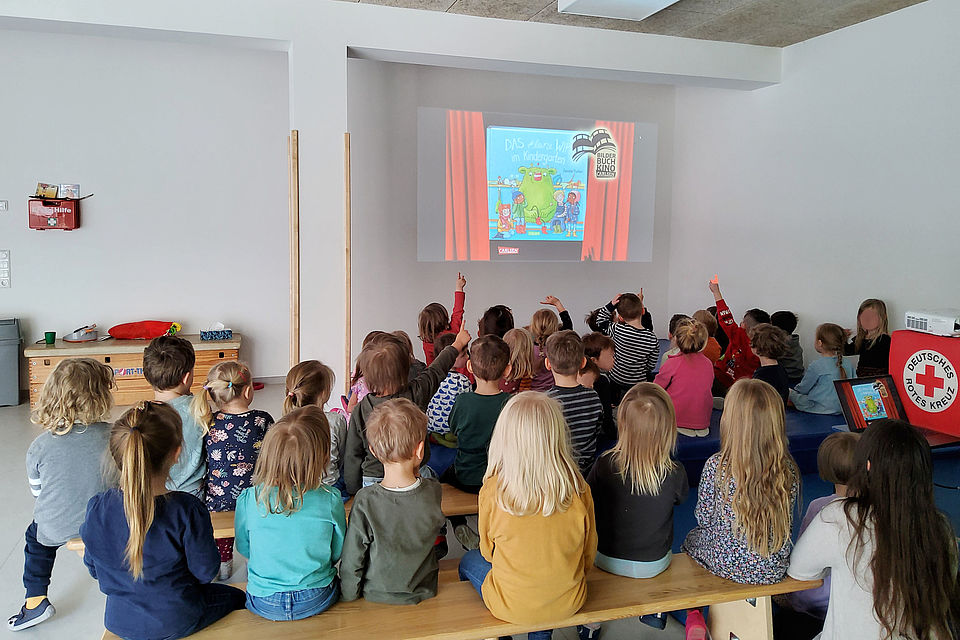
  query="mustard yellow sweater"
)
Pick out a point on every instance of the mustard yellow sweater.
point(539, 563)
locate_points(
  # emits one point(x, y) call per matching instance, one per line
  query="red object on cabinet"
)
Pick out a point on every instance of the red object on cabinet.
point(46, 213)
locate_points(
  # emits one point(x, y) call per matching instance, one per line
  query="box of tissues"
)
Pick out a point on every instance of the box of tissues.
point(216, 331)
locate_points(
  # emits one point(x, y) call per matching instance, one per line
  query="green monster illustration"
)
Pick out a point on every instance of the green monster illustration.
point(537, 189)
point(871, 405)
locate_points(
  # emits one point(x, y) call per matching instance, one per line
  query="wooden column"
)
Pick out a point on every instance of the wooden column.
point(348, 360)
point(293, 152)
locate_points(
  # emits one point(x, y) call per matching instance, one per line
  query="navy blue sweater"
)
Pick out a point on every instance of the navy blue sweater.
point(179, 554)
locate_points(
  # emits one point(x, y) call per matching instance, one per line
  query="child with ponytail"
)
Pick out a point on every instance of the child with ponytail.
point(816, 393)
point(687, 376)
point(64, 472)
point(152, 550)
point(544, 324)
point(289, 524)
point(310, 383)
point(523, 363)
point(234, 434)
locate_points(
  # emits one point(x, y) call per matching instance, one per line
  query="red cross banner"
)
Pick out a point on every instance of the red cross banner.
point(925, 369)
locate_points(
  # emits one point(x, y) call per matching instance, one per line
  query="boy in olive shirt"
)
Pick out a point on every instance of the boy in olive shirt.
point(388, 551)
point(472, 420)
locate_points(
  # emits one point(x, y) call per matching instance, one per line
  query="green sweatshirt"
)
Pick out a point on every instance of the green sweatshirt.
point(388, 548)
point(357, 459)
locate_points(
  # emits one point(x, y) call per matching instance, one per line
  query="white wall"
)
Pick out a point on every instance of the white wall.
point(837, 185)
point(390, 286)
point(185, 148)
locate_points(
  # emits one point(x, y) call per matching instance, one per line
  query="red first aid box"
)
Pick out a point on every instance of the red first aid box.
point(924, 368)
point(46, 213)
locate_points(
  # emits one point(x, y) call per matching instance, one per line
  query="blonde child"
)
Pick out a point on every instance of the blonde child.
point(816, 393)
point(441, 404)
point(537, 531)
point(289, 524)
point(234, 435)
point(310, 383)
point(385, 366)
point(747, 492)
point(687, 377)
point(523, 362)
point(388, 553)
point(434, 320)
point(770, 344)
point(64, 472)
point(872, 342)
point(168, 363)
point(151, 549)
point(675, 321)
point(636, 485)
point(544, 324)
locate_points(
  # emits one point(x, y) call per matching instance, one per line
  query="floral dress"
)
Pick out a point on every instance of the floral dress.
point(233, 444)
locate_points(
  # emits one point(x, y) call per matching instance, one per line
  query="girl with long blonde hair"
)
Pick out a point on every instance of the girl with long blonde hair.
point(289, 524)
point(234, 433)
point(310, 383)
point(537, 531)
point(152, 549)
point(64, 472)
point(748, 491)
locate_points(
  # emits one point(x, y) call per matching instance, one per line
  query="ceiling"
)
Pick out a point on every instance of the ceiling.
point(772, 23)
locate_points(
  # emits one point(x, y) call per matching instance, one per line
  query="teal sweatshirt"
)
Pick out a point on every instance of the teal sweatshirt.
point(290, 552)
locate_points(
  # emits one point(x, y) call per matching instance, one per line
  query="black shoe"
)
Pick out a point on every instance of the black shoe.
point(655, 620)
point(586, 633)
point(440, 550)
point(31, 617)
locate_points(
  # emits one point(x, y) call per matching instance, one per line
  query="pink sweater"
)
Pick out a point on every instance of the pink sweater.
point(688, 379)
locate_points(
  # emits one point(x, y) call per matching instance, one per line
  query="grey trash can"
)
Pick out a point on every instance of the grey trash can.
point(9, 362)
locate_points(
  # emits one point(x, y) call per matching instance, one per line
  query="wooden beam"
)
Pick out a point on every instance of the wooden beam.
point(348, 266)
point(293, 153)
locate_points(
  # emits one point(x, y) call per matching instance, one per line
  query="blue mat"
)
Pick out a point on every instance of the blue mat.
point(805, 432)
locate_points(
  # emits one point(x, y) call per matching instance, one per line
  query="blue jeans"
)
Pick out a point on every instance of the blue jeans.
point(295, 605)
point(474, 569)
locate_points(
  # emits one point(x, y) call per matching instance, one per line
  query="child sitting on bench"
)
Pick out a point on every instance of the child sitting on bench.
point(289, 524)
point(388, 553)
point(537, 531)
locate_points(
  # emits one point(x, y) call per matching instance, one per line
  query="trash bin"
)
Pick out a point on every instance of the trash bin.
point(9, 362)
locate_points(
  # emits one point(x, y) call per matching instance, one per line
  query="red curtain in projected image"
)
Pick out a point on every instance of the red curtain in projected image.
point(606, 225)
point(467, 227)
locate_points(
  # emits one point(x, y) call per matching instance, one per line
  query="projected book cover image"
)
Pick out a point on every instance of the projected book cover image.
point(536, 188)
point(865, 400)
point(527, 188)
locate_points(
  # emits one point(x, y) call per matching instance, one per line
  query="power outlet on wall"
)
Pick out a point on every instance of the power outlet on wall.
point(4, 206)
point(4, 268)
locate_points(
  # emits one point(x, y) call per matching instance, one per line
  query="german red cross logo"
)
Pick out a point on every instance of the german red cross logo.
point(930, 380)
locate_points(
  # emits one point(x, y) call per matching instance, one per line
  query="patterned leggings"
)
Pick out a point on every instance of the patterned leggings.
point(225, 547)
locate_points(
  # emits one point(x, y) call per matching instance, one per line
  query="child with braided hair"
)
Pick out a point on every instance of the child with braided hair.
point(816, 393)
point(234, 434)
point(311, 383)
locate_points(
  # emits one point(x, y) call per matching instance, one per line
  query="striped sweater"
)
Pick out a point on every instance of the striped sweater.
point(583, 412)
point(636, 349)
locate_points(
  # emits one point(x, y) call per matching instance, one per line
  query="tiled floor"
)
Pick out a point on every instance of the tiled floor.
point(75, 595)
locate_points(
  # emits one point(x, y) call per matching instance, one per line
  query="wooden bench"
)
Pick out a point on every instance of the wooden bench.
point(453, 502)
point(457, 613)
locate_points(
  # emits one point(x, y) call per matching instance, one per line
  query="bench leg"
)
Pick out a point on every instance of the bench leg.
point(742, 620)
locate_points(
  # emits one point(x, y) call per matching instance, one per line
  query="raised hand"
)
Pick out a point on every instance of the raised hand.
point(461, 281)
point(554, 301)
point(463, 337)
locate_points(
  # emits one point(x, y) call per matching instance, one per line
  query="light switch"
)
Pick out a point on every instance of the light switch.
point(4, 268)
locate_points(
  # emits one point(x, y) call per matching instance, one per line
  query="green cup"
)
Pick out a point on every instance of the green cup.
point(50, 337)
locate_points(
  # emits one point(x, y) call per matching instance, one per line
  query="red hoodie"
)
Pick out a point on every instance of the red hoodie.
point(737, 361)
point(456, 319)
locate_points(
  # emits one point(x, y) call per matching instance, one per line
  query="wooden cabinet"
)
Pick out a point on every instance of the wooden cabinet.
point(126, 359)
